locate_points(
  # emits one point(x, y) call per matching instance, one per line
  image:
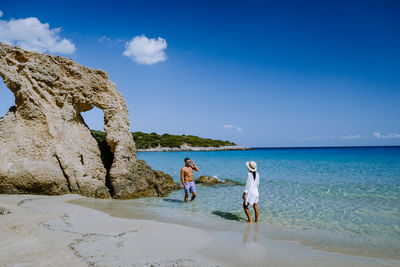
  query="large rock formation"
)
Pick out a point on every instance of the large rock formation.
point(46, 147)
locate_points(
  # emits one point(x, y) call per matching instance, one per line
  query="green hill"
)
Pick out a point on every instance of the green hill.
point(145, 140)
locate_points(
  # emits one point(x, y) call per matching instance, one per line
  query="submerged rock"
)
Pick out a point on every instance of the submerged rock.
point(210, 180)
point(45, 145)
point(4, 211)
point(232, 182)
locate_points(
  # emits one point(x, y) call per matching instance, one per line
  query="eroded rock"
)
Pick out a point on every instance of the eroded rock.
point(144, 182)
point(46, 147)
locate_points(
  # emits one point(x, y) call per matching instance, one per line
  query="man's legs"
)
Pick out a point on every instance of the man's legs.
point(193, 190)
point(186, 192)
point(190, 188)
point(246, 210)
point(255, 206)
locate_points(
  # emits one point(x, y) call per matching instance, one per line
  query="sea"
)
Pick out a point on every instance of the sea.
point(340, 199)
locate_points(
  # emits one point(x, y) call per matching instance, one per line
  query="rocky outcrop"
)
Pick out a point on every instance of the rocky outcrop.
point(156, 183)
point(210, 180)
point(46, 147)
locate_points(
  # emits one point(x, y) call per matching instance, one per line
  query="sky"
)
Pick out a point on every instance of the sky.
point(258, 73)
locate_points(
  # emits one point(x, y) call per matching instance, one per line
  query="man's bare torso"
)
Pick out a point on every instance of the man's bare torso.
point(187, 174)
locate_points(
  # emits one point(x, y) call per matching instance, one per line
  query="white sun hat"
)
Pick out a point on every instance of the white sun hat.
point(252, 166)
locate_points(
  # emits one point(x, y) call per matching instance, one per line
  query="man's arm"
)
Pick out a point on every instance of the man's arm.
point(182, 177)
point(194, 167)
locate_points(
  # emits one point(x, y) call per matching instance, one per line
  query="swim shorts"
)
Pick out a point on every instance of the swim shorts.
point(190, 187)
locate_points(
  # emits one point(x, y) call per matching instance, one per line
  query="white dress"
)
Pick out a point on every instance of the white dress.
point(251, 189)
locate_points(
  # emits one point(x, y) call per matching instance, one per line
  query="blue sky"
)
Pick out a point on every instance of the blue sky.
point(259, 73)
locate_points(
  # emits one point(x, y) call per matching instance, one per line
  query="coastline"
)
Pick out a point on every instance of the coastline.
point(50, 230)
point(189, 148)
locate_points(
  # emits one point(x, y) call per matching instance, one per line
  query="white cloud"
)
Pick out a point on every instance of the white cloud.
point(347, 137)
point(1, 13)
point(393, 135)
point(230, 126)
point(377, 135)
point(109, 41)
point(31, 34)
point(103, 38)
point(317, 137)
point(388, 136)
point(146, 51)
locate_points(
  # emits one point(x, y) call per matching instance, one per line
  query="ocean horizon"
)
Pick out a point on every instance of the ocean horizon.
point(320, 147)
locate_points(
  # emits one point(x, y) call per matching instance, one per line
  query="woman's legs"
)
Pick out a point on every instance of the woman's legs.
point(255, 206)
point(246, 210)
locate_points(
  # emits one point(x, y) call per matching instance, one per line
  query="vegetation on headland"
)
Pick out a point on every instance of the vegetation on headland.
point(152, 140)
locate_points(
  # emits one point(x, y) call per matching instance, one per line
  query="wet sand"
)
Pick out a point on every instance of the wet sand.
point(55, 230)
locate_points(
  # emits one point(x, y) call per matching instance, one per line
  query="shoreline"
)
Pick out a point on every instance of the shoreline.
point(50, 230)
point(190, 216)
point(188, 148)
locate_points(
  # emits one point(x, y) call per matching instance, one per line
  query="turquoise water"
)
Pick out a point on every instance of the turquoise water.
point(346, 198)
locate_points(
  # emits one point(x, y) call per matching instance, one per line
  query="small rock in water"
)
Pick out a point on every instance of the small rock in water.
point(210, 180)
point(232, 182)
point(4, 211)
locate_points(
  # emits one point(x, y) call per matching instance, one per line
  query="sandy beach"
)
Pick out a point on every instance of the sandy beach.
point(50, 230)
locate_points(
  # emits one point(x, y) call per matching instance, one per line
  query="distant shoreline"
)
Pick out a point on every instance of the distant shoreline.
point(322, 147)
point(177, 149)
point(232, 148)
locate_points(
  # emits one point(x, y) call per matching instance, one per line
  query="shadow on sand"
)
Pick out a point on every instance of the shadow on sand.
point(228, 215)
point(172, 200)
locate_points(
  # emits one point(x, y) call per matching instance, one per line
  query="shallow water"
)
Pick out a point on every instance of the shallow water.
point(339, 199)
point(234, 243)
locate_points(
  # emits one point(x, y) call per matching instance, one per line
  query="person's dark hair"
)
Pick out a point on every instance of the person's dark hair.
point(186, 159)
point(254, 175)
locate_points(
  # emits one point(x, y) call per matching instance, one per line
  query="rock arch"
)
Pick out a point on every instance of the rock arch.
point(45, 146)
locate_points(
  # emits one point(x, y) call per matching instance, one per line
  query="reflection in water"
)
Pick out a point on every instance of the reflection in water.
point(191, 206)
point(250, 233)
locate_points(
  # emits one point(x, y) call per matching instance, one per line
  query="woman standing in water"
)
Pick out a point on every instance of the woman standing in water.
point(250, 194)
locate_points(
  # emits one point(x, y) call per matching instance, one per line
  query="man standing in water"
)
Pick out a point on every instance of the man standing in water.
point(187, 178)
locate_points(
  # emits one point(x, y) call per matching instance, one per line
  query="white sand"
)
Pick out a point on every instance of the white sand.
point(48, 231)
